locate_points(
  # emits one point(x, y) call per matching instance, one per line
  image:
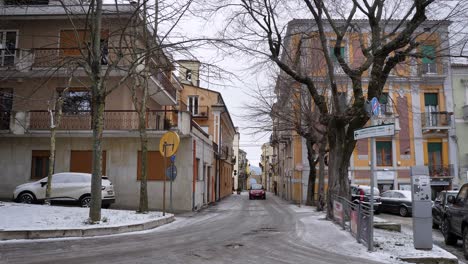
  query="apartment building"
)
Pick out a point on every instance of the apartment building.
point(43, 44)
point(209, 110)
point(417, 98)
point(266, 165)
point(460, 96)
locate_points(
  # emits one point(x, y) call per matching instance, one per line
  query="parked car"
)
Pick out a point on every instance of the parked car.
point(439, 207)
point(396, 201)
point(455, 219)
point(256, 191)
point(361, 194)
point(66, 186)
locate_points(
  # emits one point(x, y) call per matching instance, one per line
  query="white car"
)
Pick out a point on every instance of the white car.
point(66, 186)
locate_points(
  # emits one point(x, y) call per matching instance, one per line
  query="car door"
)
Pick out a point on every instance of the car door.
point(58, 189)
point(458, 209)
point(385, 198)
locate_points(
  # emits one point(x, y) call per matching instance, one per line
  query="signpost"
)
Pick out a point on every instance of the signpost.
point(372, 132)
point(168, 146)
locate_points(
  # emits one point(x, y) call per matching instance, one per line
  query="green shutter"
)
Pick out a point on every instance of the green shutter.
point(430, 99)
point(383, 98)
point(332, 53)
point(428, 53)
point(434, 147)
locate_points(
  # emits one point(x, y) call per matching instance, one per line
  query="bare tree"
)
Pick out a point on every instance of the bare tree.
point(387, 33)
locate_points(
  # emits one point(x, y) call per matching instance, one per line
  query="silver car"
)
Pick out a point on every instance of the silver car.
point(66, 186)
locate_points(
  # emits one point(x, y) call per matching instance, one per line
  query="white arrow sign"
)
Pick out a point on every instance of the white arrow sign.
point(375, 131)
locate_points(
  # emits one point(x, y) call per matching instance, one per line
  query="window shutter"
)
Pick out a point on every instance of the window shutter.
point(430, 99)
point(428, 52)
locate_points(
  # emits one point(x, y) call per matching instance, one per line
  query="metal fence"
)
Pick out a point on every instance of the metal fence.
point(354, 217)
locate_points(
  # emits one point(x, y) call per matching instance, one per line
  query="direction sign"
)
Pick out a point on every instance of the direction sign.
point(375, 131)
point(375, 105)
point(171, 172)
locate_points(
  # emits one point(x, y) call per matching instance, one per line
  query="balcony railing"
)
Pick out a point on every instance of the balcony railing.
point(5, 120)
point(202, 112)
point(113, 120)
point(435, 119)
point(441, 170)
point(163, 79)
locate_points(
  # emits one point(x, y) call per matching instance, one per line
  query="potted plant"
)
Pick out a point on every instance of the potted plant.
point(239, 190)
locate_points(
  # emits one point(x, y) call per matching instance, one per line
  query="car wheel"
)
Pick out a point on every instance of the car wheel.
point(465, 242)
point(250, 197)
point(264, 197)
point(27, 198)
point(85, 201)
point(403, 211)
point(435, 225)
point(449, 238)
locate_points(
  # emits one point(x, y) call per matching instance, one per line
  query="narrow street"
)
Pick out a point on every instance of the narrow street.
point(437, 237)
point(236, 230)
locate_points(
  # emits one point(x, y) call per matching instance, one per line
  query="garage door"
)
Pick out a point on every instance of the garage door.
point(82, 161)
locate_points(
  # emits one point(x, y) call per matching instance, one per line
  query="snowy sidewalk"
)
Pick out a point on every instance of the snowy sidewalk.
point(390, 247)
point(25, 221)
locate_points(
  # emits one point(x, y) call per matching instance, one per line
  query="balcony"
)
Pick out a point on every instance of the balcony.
point(165, 93)
point(435, 120)
point(114, 120)
point(441, 170)
point(202, 112)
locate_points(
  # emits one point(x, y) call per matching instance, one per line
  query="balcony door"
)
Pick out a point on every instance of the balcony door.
point(435, 161)
point(6, 104)
point(431, 107)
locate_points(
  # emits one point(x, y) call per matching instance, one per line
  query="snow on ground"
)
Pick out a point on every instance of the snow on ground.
point(15, 216)
point(389, 245)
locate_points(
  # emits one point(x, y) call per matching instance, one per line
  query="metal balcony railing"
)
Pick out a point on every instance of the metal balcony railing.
point(435, 119)
point(441, 170)
point(164, 81)
point(157, 120)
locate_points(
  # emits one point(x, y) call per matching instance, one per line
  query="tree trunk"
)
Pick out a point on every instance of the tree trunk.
point(321, 185)
point(143, 206)
point(55, 122)
point(312, 172)
point(96, 181)
point(98, 95)
point(340, 153)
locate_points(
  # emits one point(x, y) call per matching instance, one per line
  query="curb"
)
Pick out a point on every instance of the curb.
point(429, 260)
point(99, 231)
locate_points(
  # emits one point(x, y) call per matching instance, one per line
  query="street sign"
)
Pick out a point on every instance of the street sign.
point(169, 143)
point(171, 172)
point(173, 158)
point(375, 131)
point(375, 106)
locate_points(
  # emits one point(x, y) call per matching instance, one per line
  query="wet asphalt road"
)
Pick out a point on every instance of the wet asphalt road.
point(437, 237)
point(235, 230)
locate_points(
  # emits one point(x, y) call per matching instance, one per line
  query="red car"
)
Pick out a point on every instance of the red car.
point(256, 191)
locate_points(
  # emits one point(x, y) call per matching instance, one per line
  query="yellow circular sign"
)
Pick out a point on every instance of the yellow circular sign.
point(169, 144)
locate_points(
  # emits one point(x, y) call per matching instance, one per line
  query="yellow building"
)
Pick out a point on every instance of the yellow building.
point(417, 98)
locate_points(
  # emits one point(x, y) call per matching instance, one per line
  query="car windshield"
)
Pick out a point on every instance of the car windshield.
point(256, 186)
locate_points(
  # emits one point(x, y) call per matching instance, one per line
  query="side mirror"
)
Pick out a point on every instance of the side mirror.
point(451, 199)
point(43, 184)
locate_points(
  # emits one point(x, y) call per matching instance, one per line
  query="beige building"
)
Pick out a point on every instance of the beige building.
point(266, 164)
point(41, 56)
point(209, 110)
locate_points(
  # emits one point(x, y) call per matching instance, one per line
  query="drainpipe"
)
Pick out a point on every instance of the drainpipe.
point(194, 180)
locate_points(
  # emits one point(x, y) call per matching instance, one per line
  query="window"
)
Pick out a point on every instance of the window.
point(155, 166)
point(428, 60)
point(431, 107)
point(39, 164)
point(82, 161)
point(384, 153)
point(77, 101)
point(336, 65)
point(188, 75)
point(6, 104)
point(8, 48)
point(385, 104)
point(193, 105)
